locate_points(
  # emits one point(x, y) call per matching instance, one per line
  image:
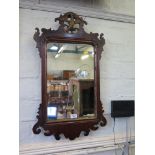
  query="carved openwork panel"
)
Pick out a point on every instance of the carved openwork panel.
point(71, 22)
point(70, 79)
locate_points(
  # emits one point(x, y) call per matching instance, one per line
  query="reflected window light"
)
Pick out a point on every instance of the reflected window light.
point(83, 57)
point(54, 47)
point(57, 55)
point(60, 50)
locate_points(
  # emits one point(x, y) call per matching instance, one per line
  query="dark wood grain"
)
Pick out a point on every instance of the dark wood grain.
point(68, 33)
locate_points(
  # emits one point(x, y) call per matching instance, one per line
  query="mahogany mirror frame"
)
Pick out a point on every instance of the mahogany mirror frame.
point(68, 34)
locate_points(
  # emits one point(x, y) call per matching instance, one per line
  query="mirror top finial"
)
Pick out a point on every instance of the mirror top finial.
point(71, 22)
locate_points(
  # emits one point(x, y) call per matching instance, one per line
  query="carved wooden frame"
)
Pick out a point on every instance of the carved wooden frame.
point(70, 31)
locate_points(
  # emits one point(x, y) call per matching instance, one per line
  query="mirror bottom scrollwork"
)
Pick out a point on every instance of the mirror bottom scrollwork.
point(70, 130)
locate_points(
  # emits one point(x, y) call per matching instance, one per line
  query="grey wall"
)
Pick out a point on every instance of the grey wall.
point(126, 7)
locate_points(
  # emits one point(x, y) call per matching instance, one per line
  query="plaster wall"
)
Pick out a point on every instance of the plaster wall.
point(126, 7)
point(119, 6)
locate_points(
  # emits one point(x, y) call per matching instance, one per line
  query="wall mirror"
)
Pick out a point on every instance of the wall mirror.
point(70, 79)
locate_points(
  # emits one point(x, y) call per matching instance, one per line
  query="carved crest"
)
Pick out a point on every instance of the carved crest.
point(71, 22)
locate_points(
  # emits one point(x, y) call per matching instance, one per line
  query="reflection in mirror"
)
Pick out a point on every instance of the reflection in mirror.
point(70, 82)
